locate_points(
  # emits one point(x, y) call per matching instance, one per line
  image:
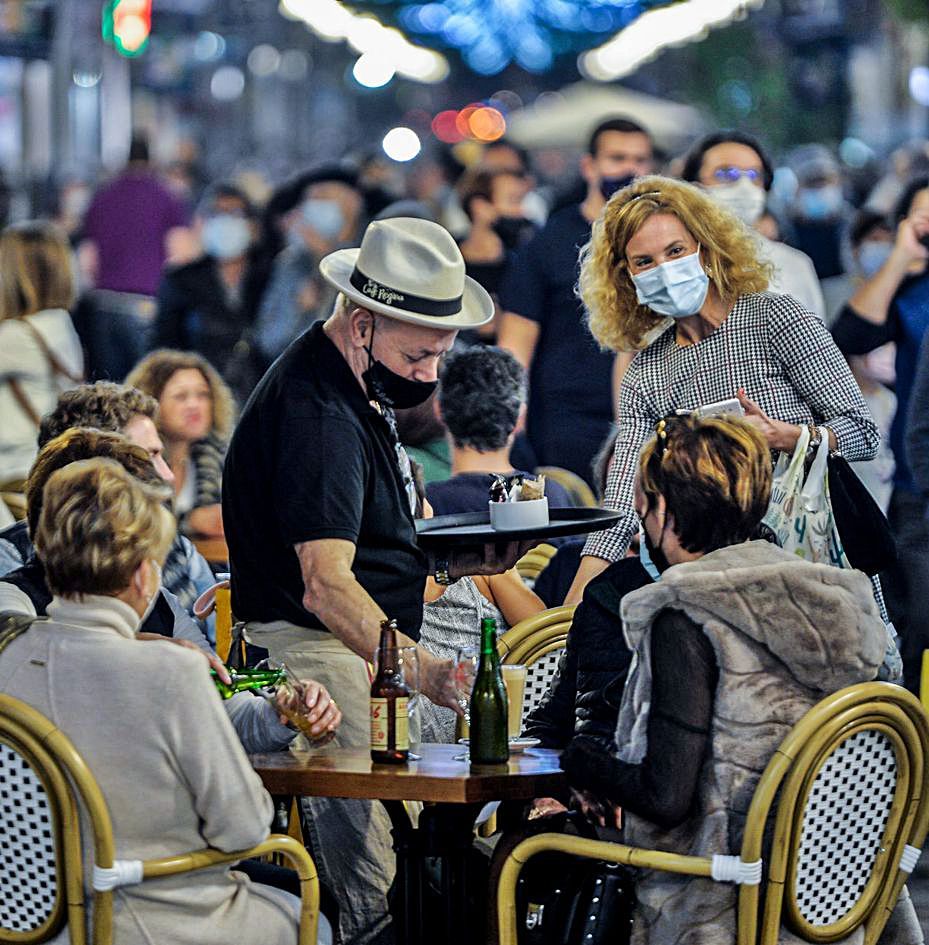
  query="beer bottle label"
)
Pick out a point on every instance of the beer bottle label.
point(380, 724)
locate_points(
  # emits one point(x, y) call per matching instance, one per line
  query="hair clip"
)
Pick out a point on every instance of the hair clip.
point(661, 434)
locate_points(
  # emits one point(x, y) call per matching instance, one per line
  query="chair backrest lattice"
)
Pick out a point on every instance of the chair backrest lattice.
point(29, 889)
point(539, 675)
point(843, 827)
point(847, 793)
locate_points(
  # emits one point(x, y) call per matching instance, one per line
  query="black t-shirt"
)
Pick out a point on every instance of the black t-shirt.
point(311, 459)
point(570, 381)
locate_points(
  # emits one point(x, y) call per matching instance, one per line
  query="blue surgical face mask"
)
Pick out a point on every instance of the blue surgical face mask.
point(226, 236)
point(324, 216)
point(819, 203)
point(677, 288)
point(872, 254)
point(645, 559)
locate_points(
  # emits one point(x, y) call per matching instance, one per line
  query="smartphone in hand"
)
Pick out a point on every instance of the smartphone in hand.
point(721, 408)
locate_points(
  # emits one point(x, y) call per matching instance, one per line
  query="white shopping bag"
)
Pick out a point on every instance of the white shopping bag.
point(800, 513)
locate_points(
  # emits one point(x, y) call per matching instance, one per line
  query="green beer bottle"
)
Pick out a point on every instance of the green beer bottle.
point(245, 679)
point(489, 742)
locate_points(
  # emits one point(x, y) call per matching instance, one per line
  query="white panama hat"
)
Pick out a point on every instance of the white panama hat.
point(411, 270)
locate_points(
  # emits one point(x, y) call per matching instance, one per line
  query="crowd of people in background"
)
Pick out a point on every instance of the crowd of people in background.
point(132, 350)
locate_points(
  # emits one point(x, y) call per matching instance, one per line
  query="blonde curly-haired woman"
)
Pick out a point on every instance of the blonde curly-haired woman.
point(673, 276)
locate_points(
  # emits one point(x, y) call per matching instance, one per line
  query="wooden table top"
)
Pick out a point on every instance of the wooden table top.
point(349, 772)
point(214, 550)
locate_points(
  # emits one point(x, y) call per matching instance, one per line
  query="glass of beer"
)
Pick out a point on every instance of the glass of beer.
point(289, 699)
point(514, 678)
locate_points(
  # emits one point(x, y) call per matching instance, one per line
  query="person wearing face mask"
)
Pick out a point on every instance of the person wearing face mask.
point(732, 622)
point(672, 276)
point(820, 214)
point(570, 379)
point(737, 174)
point(893, 306)
point(492, 199)
point(328, 212)
point(208, 305)
point(318, 501)
point(101, 536)
point(871, 240)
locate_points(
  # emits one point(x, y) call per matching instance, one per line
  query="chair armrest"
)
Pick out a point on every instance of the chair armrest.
point(295, 852)
point(592, 849)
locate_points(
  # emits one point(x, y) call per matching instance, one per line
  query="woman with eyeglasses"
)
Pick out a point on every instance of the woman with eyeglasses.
point(734, 170)
point(735, 643)
point(673, 276)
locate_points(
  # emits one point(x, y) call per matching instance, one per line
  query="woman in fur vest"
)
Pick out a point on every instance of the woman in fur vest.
point(732, 646)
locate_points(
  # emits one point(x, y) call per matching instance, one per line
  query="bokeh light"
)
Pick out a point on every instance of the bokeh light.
point(464, 116)
point(445, 127)
point(208, 47)
point(263, 60)
point(227, 83)
point(372, 71)
point(919, 84)
point(295, 64)
point(401, 144)
point(487, 124)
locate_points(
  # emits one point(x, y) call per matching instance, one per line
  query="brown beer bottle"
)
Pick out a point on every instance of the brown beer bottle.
point(390, 737)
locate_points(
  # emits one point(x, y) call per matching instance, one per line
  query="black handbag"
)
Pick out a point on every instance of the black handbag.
point(567, 900)
point(865, 532)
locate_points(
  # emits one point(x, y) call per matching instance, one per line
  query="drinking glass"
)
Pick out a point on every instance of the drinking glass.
point(406, 659)
point(465, 672)
point(293, 706)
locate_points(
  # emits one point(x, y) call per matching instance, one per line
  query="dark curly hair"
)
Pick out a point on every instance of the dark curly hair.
point(481, 391)
point(103, 405)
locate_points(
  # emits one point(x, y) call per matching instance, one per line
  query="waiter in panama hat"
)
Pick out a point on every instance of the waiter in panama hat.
point(318, 500)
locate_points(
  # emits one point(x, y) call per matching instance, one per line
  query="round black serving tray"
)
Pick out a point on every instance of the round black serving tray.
point(473, 528)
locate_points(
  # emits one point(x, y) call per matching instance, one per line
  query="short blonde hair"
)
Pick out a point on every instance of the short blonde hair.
point(615, 317)
point(153, 372)
point(98, 524)
point(35, 269)
point(715, 476)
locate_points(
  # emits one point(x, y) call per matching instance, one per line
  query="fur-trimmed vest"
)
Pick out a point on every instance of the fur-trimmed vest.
point(785, 634)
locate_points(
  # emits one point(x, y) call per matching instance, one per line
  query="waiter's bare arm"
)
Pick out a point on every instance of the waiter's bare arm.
point(347, 610)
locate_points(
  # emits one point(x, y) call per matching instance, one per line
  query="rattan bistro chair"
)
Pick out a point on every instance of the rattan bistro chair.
point(537, 642)
point(851, 815)
point(534, 562)
point(43, 784)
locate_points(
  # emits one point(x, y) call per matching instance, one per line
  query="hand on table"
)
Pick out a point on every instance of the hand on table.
point(598, 811)
point(311, 700)
point(214, 661)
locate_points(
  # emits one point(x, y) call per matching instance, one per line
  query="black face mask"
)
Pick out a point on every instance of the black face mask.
point(655, 552)
point(391, 389)
point(512, 230)
point(609, 185)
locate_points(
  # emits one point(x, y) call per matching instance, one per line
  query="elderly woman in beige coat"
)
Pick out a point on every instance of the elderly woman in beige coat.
point(144, 716)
